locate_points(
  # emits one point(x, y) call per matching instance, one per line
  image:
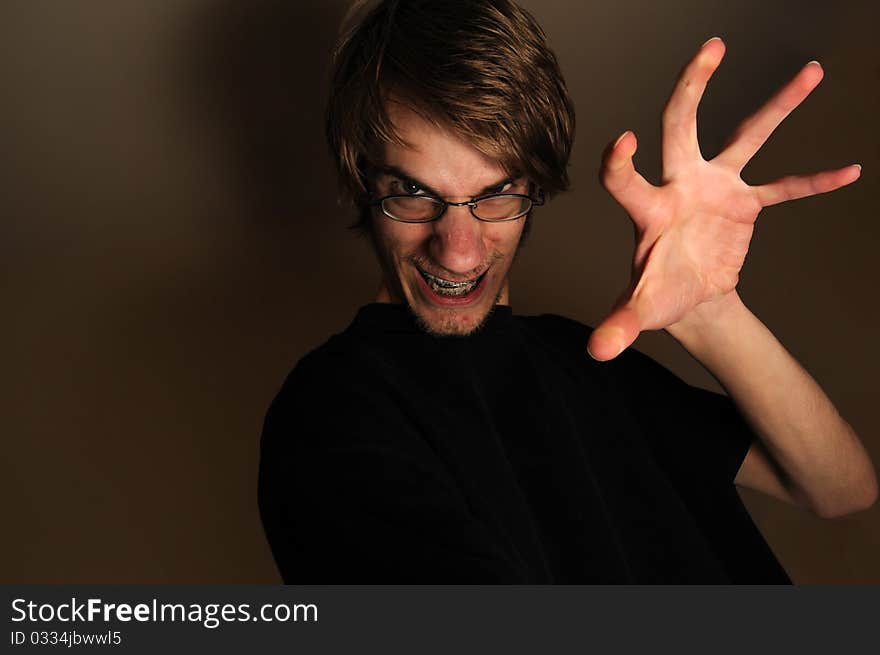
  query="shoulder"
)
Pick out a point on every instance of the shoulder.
point(555, 327)
point(327, 361)
point(336, 397)
point(313, 373)
point(308, 390)
point(561, 337)
point(568, 337)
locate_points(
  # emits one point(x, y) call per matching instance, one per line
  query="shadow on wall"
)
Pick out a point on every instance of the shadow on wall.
point(258, 79)
point(261, 71)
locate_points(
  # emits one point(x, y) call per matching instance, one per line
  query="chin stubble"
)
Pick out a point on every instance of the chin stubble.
point(449, 326)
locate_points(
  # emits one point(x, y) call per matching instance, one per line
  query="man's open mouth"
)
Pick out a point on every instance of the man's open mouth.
point(450, 289)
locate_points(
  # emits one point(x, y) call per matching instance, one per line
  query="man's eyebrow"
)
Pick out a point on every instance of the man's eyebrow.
point(402, 175)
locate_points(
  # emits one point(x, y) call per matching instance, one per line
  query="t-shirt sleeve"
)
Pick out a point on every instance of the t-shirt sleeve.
point(697, 437)
point(700, 439)
point(691, 431)
point(349, 494)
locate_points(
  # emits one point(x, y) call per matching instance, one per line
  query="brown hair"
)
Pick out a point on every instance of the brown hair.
point(481, 68)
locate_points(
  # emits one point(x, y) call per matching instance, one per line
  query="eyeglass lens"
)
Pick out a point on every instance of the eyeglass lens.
point(423, 208)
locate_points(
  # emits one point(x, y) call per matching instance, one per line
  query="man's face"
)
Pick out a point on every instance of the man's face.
point(419, 260)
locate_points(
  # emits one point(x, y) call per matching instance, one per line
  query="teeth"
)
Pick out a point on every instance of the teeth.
point(446, 288)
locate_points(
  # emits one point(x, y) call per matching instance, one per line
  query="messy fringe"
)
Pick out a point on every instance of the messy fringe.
point(480, 68)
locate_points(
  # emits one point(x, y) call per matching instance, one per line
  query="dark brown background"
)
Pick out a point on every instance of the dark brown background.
point(171, 245)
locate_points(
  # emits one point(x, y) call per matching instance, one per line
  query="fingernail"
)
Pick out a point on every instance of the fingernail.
point(714, 38)
point(859, 166)
point(814, 62)
point(619, 139)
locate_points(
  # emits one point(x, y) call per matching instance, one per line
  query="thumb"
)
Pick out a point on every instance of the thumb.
point(615, 333)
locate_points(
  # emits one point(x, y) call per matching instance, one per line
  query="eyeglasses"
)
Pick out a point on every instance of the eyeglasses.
point(493, 208)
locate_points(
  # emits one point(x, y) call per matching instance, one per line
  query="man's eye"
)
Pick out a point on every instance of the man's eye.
point(409, 188)
point(505, 187)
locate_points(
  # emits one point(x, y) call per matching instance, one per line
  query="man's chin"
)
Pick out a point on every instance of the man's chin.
point(458, 322)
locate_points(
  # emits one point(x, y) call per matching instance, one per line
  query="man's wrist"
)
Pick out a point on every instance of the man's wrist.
point(698, 326)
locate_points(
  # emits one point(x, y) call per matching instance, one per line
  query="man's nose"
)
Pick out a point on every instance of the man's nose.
point(457, 243)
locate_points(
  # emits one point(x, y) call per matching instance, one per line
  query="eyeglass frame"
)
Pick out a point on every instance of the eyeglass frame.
point(472, 203)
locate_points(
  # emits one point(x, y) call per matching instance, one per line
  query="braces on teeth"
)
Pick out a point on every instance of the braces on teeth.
point(447, 288)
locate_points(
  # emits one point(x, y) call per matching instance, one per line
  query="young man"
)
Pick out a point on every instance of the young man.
point(442, 439)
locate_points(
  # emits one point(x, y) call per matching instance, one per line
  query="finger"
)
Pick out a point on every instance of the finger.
point(680, 143)
point(801, 186)
point(620, 178)
point(753, 132)
point(614, 334)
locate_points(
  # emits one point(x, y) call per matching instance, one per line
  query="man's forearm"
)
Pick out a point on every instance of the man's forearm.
point(820, 455)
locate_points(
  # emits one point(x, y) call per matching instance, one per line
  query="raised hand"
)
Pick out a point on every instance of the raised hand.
point(693, 231)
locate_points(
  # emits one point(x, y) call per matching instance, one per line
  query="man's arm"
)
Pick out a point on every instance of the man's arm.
point(807, 454)
point(692, 235)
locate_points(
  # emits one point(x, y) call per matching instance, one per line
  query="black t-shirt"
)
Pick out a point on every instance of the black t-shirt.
point(508, 456)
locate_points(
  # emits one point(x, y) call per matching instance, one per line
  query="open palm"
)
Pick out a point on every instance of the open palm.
point(693, 231)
